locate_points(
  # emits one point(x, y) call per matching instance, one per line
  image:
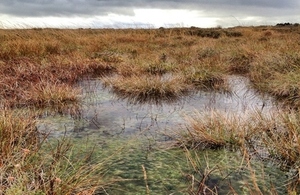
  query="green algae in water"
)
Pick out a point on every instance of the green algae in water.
point(162, 168)
point(177, 171)
point(228, 173)
point(168, 171)
point(174, 170)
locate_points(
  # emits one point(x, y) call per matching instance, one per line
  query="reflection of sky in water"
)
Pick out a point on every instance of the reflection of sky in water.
point(105, 119)
point(104, 115)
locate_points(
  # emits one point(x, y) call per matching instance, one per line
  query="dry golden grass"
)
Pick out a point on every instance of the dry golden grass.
point(214, 130)
point(274, 138)
point(39, 67)
point(29, 165)
point(17, 132)
point(154, 89)
point(203, 55)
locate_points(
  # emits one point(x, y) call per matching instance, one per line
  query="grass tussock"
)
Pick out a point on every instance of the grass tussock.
point(17, 133)
point(202, 55)
point(205, 79)
point(273, 138)
point(40, 67)
point(153, 89)
point(212, 131)
point(29, 165)
point(277, 74)
point(45, 83)
point(58, 97)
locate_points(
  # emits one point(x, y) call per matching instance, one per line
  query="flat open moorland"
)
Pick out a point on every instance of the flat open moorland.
point(39, 74)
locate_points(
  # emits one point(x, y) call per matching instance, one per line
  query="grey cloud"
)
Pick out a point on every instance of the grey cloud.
point(33, 8)
point(214, 8)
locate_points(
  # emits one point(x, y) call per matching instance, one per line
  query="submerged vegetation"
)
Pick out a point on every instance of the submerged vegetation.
point(274, 139)
point(30, 165)
point(39, 69)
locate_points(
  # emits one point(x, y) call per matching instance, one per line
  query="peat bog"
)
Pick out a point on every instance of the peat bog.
point(150, 111)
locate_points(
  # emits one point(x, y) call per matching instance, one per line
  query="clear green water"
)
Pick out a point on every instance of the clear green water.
point(141, 135)
point(171, 171)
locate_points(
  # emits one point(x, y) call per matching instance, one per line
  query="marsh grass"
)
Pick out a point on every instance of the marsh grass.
point(17, 132)
point(270, 64)
point(225, 172)
point(152, 89)
point(240, 62)
point(274, 138)
point(287, 87)
point(213, 131)
point(278, 75)
point(55, 55)
point(55, 96)
point(204, 79)
point(30, 165)
point(40, 67)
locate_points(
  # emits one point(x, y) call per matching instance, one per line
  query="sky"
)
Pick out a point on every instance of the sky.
point(146, 13)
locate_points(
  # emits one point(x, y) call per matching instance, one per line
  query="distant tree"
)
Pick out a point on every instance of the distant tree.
point(286, 24)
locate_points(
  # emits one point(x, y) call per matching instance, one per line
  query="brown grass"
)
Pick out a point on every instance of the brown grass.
point(28, 165)
point(202, 55)
point(275, 138)
point(17, 132)
point(153, 89)
point(40, 67)
point(214, 130)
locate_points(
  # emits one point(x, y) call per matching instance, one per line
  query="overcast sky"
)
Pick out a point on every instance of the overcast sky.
point(146, 13)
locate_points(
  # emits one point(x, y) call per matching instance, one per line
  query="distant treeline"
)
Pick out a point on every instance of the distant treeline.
point(287, 24)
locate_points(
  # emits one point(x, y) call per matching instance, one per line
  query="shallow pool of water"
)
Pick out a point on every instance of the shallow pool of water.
point(104, 114)
point(110, 123)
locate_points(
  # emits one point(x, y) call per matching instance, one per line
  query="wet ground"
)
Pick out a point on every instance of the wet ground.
point(112, 123)
point(103, 113)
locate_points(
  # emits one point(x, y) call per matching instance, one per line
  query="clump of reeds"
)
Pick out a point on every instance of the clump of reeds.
point(28, 165)
point(283, 139)
point(214, 130)
point(240, 62)
point(152, 89)
point(274, 138)
point(205, 79)
point(26, 82)
point(277, 74)
point(219, 130)
point(59, 97)
point(17, 132)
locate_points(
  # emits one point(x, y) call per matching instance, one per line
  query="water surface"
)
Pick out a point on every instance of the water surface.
point(138, 131)
point(104, 114)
